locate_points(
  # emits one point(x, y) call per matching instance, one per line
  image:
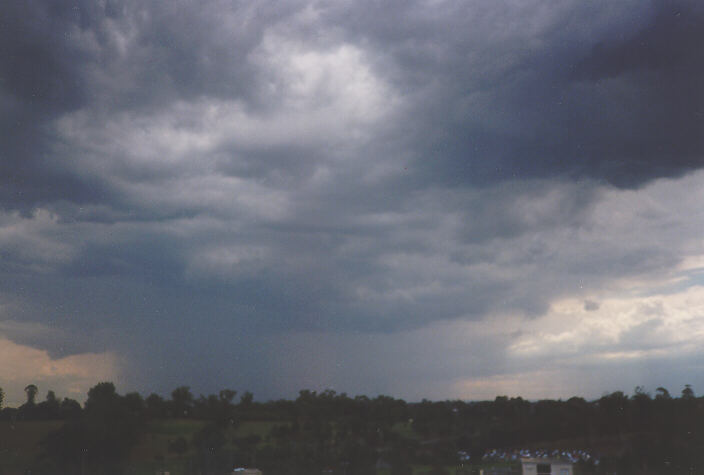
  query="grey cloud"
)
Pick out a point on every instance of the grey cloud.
point(591, 306)
point(656, 309)
point(151, 289)
point(59, 57)
point(642, 336)
point(482, 101)
point(478, 191)
point(335, 273)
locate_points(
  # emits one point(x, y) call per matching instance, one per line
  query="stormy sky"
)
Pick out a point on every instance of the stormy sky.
point(438, 198)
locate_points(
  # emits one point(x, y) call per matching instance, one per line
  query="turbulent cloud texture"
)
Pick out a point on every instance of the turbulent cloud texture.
point(378, 196)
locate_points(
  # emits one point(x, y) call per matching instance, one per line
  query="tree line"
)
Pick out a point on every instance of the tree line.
point(317, 431)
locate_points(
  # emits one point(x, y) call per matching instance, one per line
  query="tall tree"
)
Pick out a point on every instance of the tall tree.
point(69, 409)
point(687, 392)
point(156, 406)
point(182, 401)
point(31, 392)
point(662, 393)
point(100, 441)
point(246, 400)
point(49, 408)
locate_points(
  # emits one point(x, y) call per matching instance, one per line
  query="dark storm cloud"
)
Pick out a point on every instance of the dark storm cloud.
point(42, 78)
point(59, 57)
point(653, 78)
point(218, 175)
point(505, 95)
point(492, 93)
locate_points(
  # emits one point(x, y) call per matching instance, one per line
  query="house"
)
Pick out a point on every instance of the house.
point(546, 466)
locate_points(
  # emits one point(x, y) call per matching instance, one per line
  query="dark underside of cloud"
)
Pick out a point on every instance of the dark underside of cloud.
point(624, 110)
point(659, 103)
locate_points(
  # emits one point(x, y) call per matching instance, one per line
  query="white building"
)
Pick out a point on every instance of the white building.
point(546, 466)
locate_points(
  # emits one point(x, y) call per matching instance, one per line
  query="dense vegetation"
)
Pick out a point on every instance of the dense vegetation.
point(317, 432)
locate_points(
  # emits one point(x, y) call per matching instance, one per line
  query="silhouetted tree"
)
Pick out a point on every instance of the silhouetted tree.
point(49, 408)
point(31, 392)
point(100, 440)
point(227, 395)
point(134, 403)
point(156, 407)
point(51, 397)
point(326, 430)
point(662, 393)
point(182, 401)
point(246, 400)
point(687, 392)
point(69, 409)
point(28, 410)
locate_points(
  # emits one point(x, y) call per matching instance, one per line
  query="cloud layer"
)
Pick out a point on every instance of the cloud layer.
point(235, 194)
